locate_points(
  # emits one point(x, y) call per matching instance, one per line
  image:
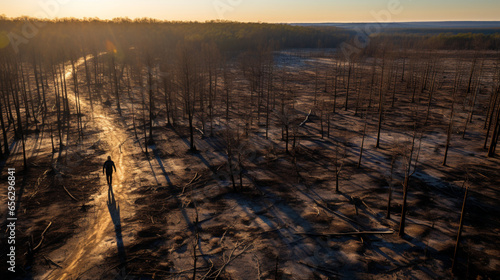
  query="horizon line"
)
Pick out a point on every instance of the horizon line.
point(5, 17)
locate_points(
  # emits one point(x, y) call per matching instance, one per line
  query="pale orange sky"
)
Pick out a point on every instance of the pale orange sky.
point(260, 10)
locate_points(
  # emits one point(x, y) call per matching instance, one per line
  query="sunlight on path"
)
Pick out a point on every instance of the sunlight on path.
point(86, 250)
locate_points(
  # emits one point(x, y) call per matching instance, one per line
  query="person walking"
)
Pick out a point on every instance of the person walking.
point(108, 166)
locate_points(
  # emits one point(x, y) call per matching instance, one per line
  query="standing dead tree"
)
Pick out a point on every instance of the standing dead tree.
point(349, 74)
point(476, 90)
point(150, 85)
point(286, 117)
point(335, 86)
point(372, 82)
point(4, 75)
point(5, 150)
point(381, 101)
point(431, 94)
point(396, 153)
point(496, 133)
point(187, 79)
point(408, 174)
point(270, 90)
point(460, 227)
point(493, 118)
point(452, 113)
point(233, 152)
point(87, 81)
point(411, 162)
point(490, 115)
point(76, 91)
point(362, 143)
point(15, 90)
point(211, 56)
point(228, 88)
point(338, 162)
point(165, 77)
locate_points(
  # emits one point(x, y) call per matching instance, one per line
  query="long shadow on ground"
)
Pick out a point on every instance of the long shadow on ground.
point(114, 212)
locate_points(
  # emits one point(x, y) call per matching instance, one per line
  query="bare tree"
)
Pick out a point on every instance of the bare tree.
point(490, 116)
point(381, 101)
point(362, 144)
point(450, 124)
point(150, 85)
point(338, 161)
point(187, 79)
point(495, 135)
point(406, 182)
point(460, 227)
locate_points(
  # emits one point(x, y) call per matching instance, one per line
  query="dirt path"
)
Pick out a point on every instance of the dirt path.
point(106, 224)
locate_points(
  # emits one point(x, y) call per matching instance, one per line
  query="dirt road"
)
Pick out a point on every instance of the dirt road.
point(106, 224)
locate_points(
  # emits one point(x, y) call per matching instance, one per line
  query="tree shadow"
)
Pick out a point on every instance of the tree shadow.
point(114, 212)
point(160, 162)
point(153, 171)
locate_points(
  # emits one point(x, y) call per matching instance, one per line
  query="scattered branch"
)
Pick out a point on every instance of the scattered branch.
point(42, 237)
point(307, 119)
point(319, 268)
point(51, 261)
point(347, 233)
point(70, 195)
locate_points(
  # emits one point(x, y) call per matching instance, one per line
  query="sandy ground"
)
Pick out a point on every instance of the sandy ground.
point(172, 208)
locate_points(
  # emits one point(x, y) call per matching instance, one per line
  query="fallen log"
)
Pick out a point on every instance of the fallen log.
point(307, 119)
point(355, 233)
point(229, 260)
point(405, 266)
point(42, 237)
point(51, 261)
point(190, 182)
point(319, 268)
point(203, 136)
point(194, 178)
point(336, 213)
point(70, 195)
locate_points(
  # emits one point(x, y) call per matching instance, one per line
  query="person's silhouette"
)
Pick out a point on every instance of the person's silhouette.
point(108, 166)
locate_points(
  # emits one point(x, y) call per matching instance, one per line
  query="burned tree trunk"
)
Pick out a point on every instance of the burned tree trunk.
point(495, 135)
point(87, 79)
point(151, 103)
point(381, 104)
point(406, 182)
point(4, 133)
point(450, 125)
point(362, 145)
point(459, 235)
point(348, 86)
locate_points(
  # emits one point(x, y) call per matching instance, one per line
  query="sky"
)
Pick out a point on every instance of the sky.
point(284, 11)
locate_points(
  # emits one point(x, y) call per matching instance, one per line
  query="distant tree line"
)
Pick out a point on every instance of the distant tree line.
point(443, 41)
point(24, 33)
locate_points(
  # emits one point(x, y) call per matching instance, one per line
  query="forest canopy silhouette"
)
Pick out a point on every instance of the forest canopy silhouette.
point(26, 34)
point(71, 33)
